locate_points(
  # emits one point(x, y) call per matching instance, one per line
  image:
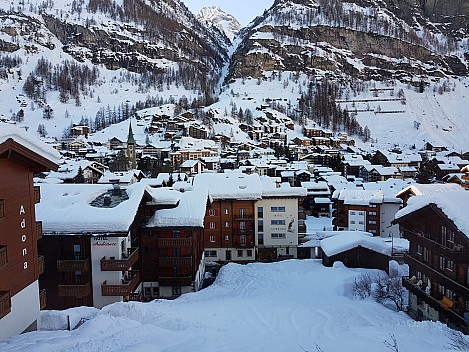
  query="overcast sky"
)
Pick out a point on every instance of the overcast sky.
point(243, 10)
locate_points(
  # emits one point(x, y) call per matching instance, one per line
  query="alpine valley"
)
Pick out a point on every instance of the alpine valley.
point(388, 73)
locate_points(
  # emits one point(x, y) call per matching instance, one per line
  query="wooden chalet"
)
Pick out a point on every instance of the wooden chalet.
point(20, 262)
point(437, 229)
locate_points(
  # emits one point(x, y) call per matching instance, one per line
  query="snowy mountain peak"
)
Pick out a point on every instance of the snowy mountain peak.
point(225, 22)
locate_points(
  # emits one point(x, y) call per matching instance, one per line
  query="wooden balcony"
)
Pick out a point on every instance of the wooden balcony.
point(435, 275)
point(444, 312)
point(124, 289)
point(120, 264)
point(175, 242)
point(40, 265)
point(3, 257)
point(42, 299)
point(175, 281)
point(456, 253)
point(67, 265)
point(81, 290)
point(169, 262)
point(38, 230)
point(37, 194)
point(5, 303)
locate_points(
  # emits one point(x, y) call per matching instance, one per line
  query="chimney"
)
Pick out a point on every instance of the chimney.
point(106, 200)
point(116, 191)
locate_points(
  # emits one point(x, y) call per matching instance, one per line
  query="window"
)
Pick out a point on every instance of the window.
point(360, 222)
point(249, 253)
point(211, 212)
point(360, 213)
point(227, 224)
point(419, 249)
point(441, 289)
point(372, 222)
point(212, 239)
point(442, 263)
point(260, 212)
point(176, 290)
point(156, 291)
point(277, 209)
point(426, 255)
point(226, 212)
point(240, 252)
point(450, 239)
point(372, 213)
point(242, 239)
point(260, 225)
point(212, 224)
point(176, 233)
point(242, 225)
point(242, 212)
point(2, 208)
point(278, 235)
point(210, 253)
point(443, 234)
point(352, 221)
point(352, 213)
point(449, 265)
point(77, 251)
point(78, 277)
point(260, 239)
point(227, 238)
point(372, 205)
point(277, 222)
point(449, 294)
point(147, 291)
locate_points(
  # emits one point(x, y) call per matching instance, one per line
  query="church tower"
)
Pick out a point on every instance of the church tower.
point(131, 152)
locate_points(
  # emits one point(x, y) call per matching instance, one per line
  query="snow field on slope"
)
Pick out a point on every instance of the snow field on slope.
point(286, 306)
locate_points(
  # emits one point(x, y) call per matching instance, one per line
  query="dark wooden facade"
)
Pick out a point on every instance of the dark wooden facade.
point(171, 256)
point(438, 262)
point(359, 257)
point(67, 278)
point(20, 264)
point(229, 224)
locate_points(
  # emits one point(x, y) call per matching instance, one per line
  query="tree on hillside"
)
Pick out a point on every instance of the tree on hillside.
point(424, 174)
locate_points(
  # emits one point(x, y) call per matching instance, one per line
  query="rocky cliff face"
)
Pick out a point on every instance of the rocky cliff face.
point(365, 39)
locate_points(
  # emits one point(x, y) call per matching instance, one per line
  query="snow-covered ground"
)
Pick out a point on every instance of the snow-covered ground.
point(294, 305)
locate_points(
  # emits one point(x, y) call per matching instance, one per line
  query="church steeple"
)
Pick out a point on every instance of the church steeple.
point(131, 152)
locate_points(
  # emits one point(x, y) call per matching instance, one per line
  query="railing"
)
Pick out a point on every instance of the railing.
point(456, 287)
point(168, 262)
point(444, 312)
point(40, 265)
point(244, 231)
point(120, 264)
point(37, 194)
point(66, 265)
point(38, 230)
point(244, 244)
point(3, 257)
point(455, 254)
point(244, 217)
point(175, 281)
point(42, 299)
point(74, 290)
point(125, 289)
point(175, 242)
point(5, 303)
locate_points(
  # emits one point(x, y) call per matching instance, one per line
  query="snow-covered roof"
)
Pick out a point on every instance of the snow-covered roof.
point(427, 189)
point(270, 189)
point(233, 185)
point(20, 136)
point(67, 209)
point(453, 204)
point(362, 197)
point(190, 211)
point(165, 196)
point(352, 239)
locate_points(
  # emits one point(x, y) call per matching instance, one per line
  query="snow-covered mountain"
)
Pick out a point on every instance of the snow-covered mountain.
point(225, 22)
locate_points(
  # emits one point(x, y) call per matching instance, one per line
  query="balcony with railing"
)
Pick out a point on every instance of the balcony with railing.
point(244, 231)
point(455, 253)
point(42, 299)
point(444, 312)
point(123, 264)
point(126, 288)
point(244, 217)
point(168, 262)
point(38, 230)
point(175, 281)
point(40, 265)
point(436, 276)
point(76, 290)
point(175, 242)
point(3, 257)
point(70, 265)
point(37, 194)
point(5, 303)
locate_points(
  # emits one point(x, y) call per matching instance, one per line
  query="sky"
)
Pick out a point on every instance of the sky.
point(243, 10)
